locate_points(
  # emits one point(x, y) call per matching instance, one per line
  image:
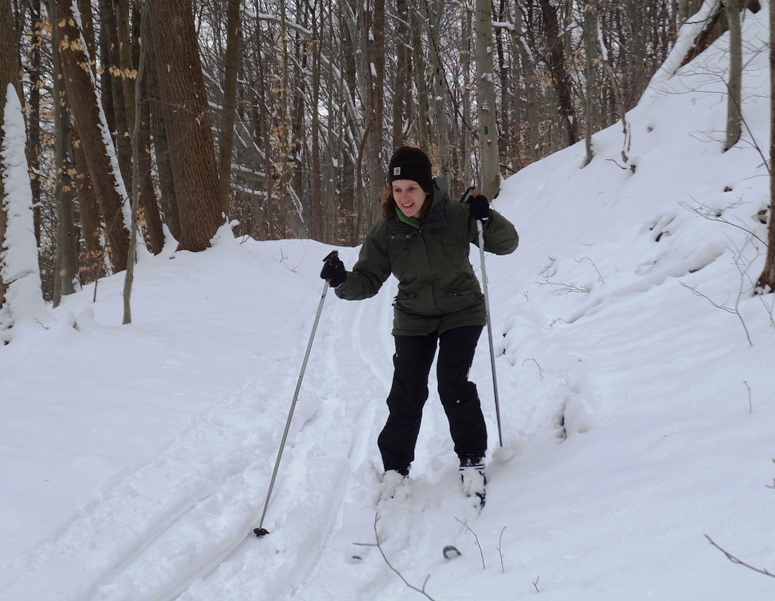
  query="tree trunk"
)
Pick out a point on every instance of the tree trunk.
point(167, 199)
point(129, 276)
point(228, 104)
point(93, 130)
point(486, 105)
point(20, 273)
point(377, 165)
point(91, 227)
point(555, 58)
point(504, 118)
point(9, 70)
point(33, 114)
point(401, 87)
point(766, 282)
point(262, 128)
point(66, 265)
point(465, 52)
point(735, 85)
point(317, 229)
point(590, 96)
point(187, 122)
point(148, 203)
point(106, 79)
point(420, 111)
point(115, 30)
point(440, 121)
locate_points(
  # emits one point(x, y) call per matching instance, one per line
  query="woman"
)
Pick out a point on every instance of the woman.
point(424, 238)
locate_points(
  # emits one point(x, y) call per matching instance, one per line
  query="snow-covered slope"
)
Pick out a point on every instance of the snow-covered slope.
point(635, 379)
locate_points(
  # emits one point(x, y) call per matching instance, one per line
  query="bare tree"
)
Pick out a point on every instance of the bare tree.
point(93, 130)
point(558, 68)
point(187, 122)
point(9, 68)
point(486, 102)
point(766, 282)
point(136, 151)
point(20, 284)
point(228, 104)
point(66, 269)
point(735, 83)
point(590, 71)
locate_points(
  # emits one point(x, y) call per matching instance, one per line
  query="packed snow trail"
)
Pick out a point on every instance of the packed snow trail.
point(317, 537)
point(176, 519)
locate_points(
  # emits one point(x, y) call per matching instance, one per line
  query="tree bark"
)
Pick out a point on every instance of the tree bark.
point(420, 107)
point(115, 32)
point(187, 122)
point(555, 58)
point(317, 229)
point(33, 114)
point(91, 227)
point(148, 202)
point(129, 276)
point(735, 84)
point(228, 104)
point(401, 81)
point(486, 105)
point(65, 271)
point(158, 134)
point(92, 127)
point(766, 282)
point(590, 86)
point(440, 121)
point(9, 69)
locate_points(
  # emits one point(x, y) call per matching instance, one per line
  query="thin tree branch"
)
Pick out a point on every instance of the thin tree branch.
point(737, 561)
point(390, 565)
point(476, 538)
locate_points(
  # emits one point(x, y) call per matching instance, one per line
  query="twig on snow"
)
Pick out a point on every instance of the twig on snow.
point(476, 538)
point(500, 549)
point(733, 310)
point(750, 403)
point(390, 565)
point(737, 561)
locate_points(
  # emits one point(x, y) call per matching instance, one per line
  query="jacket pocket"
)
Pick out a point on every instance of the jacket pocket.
point(461, 300)
point(406, 302)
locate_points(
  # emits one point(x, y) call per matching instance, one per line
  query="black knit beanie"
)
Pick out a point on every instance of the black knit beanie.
point(411, 163)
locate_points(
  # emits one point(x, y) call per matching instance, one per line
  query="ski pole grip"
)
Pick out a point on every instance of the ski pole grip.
point(334, 254)
point(471, 192)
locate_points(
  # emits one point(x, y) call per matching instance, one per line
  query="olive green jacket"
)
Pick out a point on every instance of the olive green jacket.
point(437, 287)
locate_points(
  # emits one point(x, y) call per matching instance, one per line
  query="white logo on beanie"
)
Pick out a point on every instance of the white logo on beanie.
point(396, 170)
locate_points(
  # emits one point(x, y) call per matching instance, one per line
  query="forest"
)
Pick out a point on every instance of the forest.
point(151, 120)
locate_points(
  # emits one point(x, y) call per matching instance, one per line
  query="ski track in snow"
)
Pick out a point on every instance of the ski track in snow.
point(157, 531)
point(160, 533)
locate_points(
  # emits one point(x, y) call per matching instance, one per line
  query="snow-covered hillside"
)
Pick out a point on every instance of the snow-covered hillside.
point(635, 372)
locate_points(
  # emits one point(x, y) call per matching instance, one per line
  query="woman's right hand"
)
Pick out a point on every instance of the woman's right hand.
point(333, 270)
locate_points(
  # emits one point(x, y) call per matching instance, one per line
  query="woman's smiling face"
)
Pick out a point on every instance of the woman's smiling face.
point(409, 196)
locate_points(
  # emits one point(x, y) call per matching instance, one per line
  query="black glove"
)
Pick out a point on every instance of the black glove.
point(333, 270)
point(479, 207)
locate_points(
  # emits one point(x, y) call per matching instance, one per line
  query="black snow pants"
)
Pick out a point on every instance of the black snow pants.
point(412, 363)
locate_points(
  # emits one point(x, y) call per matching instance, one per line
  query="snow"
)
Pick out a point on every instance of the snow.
point(637, 416)
point(24, 307)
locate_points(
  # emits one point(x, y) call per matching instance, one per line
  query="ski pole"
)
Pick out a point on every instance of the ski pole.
point(261, 531)
point(474, 191)
point(489, 330)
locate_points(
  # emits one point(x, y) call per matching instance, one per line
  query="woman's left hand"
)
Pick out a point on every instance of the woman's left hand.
point(479, 207)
